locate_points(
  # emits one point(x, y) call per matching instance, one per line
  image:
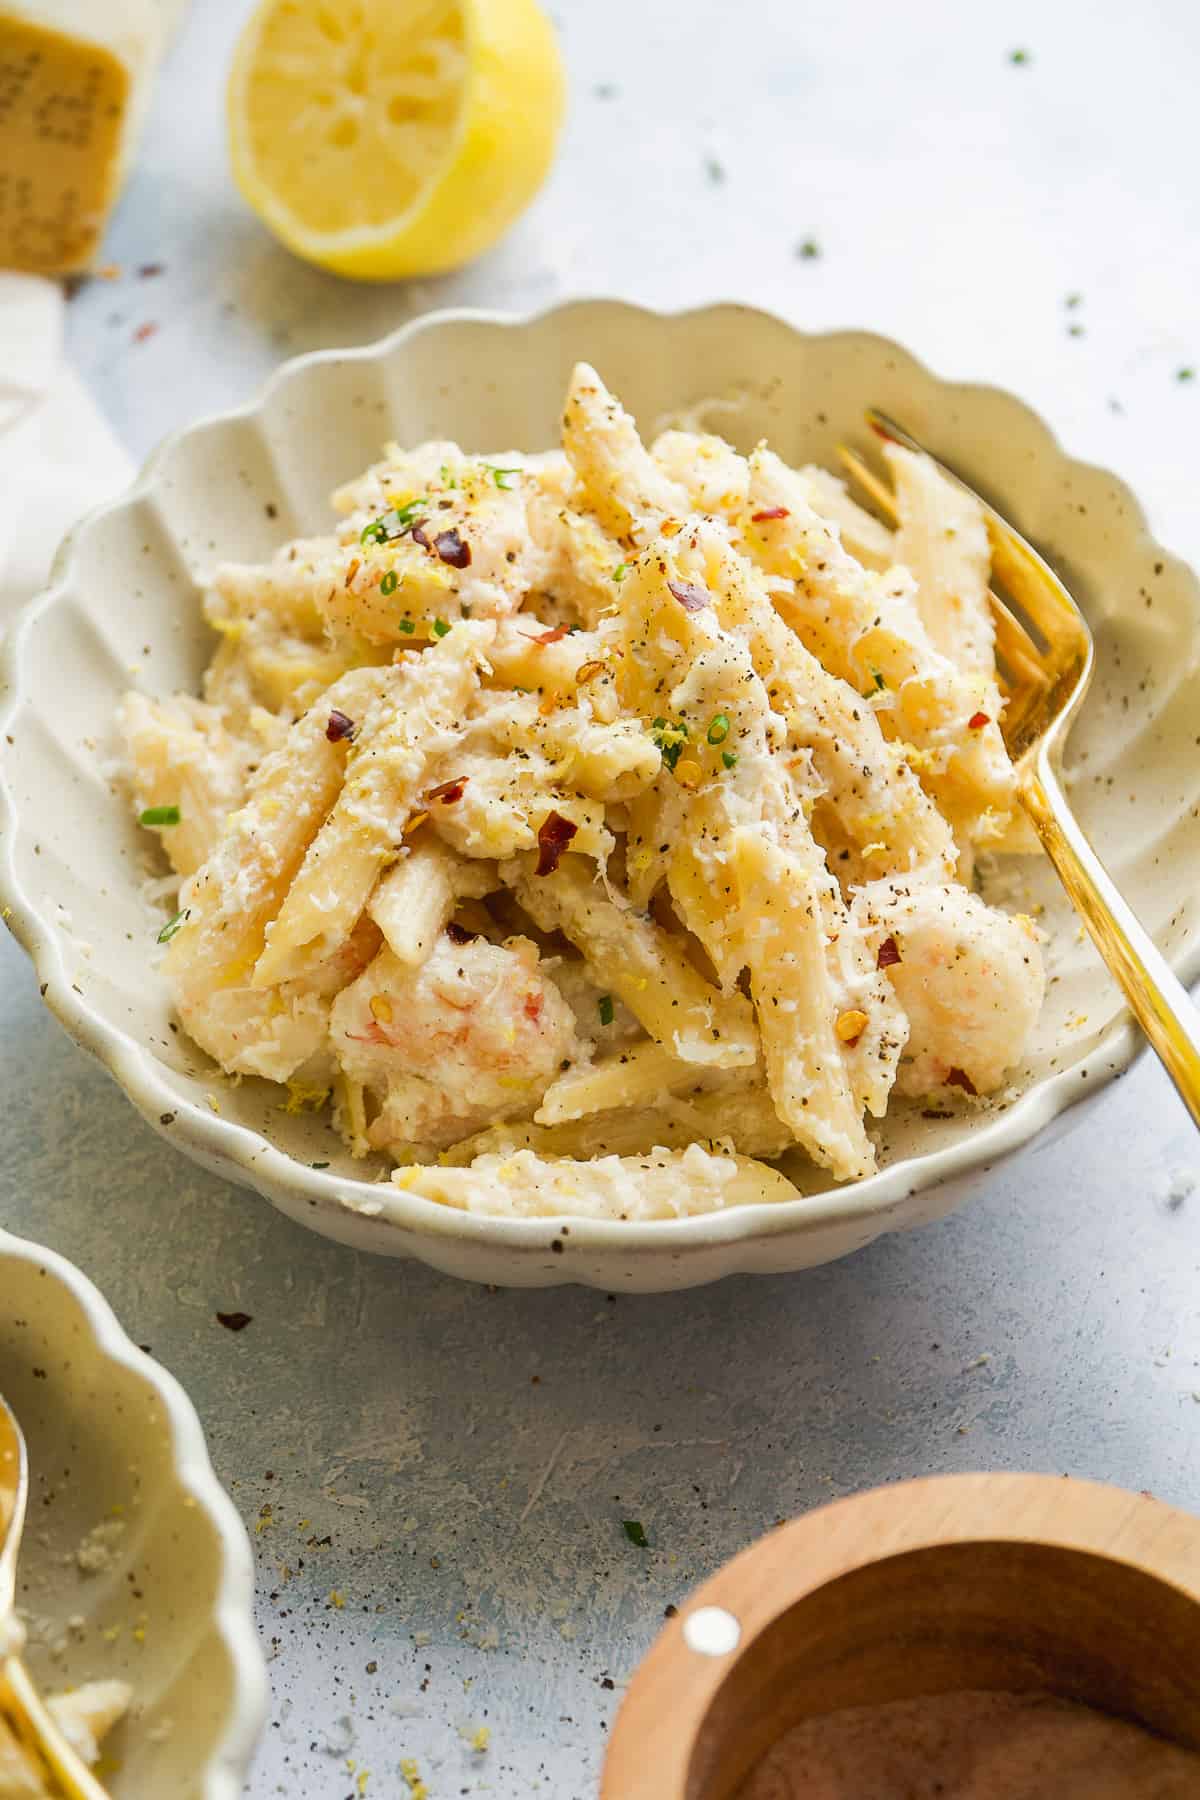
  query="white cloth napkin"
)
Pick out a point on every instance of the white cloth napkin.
point(58, 457)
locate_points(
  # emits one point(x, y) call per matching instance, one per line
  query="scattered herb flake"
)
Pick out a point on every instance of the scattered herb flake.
point(389, 584)
point(159, 815)
point(235, 1321)
point(880, 683)
point(714, 170)
point(1185, 374)
point(1020, 56)
point(172, 926)
point(440, 628)
point(606, 1009)
point(635, 1532)
point(499, 475)
point(620, 572)
point(554, 834)
point(406, 626)
point(808, 250)
point(1075, 329)
point(718, 729)
point(729, 758)
point(1073, 300)
point(670, 740)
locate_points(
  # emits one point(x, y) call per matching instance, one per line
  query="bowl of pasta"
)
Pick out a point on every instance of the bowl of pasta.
point(585, 846)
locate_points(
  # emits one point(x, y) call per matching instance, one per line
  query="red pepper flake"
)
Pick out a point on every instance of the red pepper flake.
point(533, 1007)
point(977, 721)
point(458, 934)
point(554, 834)
point(449, 791)
point(340, 726)
point(451, 548)
point(769, 512)
point(553, 636)
point(960, 1078)
point(145, 331)
point(235, 1321)
point(889, 954)
point(692, 598)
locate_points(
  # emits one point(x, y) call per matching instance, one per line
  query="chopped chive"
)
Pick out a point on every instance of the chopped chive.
point(670, 740)
point(635, 1532)
point(407, 627)
point(718, 729)
point(729, 758)
point(606, 1009)
point(445, 477)
point(498, 475)
point(319, 1165)
point(374, 533)
point(171, 927)
point(159, 815)
point(440, 628)
point(620, 572)
point(389, 584)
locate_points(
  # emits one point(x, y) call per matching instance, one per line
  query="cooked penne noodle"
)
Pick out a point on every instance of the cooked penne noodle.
point(417, 897)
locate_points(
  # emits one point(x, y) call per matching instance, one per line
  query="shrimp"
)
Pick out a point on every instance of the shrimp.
point(969, 977)
point(473, 1036)
point(276, 1032)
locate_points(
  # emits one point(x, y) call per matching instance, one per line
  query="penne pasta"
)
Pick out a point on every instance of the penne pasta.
point(589, 829)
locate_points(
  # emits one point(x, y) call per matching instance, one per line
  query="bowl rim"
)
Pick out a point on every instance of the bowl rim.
point(228, 1146)
point(232, 1612)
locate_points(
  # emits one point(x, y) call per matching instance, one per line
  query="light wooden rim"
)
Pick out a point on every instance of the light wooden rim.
point(652, 1746)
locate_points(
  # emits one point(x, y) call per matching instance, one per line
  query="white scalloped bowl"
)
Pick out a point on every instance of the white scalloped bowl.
point(113, 1441)
point(123, 607)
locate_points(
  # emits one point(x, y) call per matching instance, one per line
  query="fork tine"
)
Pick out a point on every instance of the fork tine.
point(872, 484)
point(1013, 643)
point(1026, 575)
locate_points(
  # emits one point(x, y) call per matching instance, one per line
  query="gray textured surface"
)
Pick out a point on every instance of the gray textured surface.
point(470, 1455)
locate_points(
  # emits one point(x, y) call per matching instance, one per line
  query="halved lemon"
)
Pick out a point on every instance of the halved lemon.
point(390, 138)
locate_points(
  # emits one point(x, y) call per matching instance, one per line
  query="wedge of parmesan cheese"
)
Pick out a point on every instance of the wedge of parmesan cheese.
point(75, 78)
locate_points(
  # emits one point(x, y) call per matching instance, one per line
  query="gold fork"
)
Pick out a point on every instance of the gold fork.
point(1046, 665)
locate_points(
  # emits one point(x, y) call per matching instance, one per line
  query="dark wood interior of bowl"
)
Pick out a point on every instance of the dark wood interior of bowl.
point(1001, 1615)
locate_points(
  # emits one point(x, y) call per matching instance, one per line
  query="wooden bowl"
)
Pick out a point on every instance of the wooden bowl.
point(1006, 1582)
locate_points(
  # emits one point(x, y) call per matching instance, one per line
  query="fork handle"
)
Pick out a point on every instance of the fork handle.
point(1159, 1001)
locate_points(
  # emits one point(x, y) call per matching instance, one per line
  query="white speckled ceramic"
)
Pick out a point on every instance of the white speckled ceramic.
point(123, 608)
point(113, 1442)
